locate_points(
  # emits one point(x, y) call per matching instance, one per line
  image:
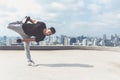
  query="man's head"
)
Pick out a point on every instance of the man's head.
point(49, 31)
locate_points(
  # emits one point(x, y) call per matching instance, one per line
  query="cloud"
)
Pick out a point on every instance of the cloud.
point(23, 8)
point(111, 18)
point(79, 16)
point(94, 8)
point(58, 6)
point(106, 2)
point(118, 16)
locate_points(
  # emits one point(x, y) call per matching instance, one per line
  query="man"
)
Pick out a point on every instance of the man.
point(27, 30)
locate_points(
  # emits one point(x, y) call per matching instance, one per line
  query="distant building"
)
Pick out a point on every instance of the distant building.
point(73, 40)
point(85, 42)
point(95, 42)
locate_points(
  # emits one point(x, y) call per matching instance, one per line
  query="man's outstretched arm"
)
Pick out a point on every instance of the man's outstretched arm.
point(26, 40)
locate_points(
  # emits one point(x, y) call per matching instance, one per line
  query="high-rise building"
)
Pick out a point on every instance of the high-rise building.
point(84, 42)
point(73, 40)
point(95, 42)
point(104, 37)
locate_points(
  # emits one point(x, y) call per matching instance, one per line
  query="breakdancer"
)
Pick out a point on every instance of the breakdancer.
point(27, 30)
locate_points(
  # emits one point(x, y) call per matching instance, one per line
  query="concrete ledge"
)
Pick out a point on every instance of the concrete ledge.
point(60, 48)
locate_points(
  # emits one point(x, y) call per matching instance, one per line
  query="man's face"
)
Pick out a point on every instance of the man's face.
point(48, 32)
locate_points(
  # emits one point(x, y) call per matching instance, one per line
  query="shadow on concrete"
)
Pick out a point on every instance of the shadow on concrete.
point(66, 65)
point(115, 64)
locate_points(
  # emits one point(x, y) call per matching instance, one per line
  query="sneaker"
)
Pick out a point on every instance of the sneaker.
point(31, 63)
point(26, 19)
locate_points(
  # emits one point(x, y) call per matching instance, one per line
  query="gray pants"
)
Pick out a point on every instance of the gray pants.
point(17, 27)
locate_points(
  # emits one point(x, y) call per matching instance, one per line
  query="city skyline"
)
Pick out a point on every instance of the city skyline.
point(64, 40)
point(69, 17)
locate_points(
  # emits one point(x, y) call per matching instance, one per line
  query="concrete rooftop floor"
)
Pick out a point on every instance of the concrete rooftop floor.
point(60, 65)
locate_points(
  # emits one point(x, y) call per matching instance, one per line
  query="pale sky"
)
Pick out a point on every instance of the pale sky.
point(69, 17)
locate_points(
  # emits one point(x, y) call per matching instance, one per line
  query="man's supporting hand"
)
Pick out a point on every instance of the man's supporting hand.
point(19, 40)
